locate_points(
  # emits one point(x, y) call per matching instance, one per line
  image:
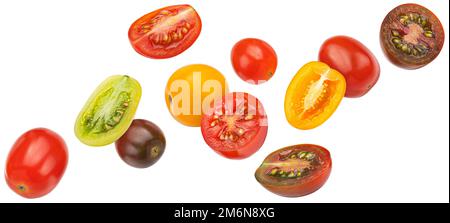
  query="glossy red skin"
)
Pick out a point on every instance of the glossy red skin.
point(251, 144)
point(144, 46)
point(303, 186)
point(254, 60)
point(36, 162)
point(353, 60)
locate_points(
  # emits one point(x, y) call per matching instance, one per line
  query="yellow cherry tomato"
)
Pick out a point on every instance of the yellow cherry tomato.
point(191, 91)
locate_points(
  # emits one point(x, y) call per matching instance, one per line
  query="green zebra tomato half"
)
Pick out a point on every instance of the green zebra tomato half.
point(109, 111)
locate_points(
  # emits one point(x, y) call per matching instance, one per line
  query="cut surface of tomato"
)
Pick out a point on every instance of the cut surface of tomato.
point(166, 32)
point(313, 95)
point(236, 127)
point(295, 171)
point(411, 36)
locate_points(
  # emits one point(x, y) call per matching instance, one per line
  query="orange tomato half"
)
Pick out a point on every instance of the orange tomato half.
point(313, 95)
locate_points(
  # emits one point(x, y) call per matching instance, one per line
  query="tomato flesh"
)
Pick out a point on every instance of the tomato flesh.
point(109, 111)
point(254, 60)
point(411, 36)
point(36, 163)
point(236, 127)
point(313, 95)
point(295, 171)
point(353, 60)
point(166, 32)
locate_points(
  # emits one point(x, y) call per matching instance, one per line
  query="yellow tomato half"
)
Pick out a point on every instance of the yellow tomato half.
point(191, 91)
point(313, 95)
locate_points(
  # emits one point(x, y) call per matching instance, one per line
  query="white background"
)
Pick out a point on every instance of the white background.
point(391, 145)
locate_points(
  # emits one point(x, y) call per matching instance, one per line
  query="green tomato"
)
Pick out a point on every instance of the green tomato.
point(109, 111)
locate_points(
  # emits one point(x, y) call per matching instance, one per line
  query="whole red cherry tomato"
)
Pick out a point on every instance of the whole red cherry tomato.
point(36, 163)
point(254, 60)
point(353, 60)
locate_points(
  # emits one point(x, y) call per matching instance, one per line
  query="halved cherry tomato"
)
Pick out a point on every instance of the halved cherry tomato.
point(254, 60)
point(295, 171)
point(353, 60)
point(411, 36)
point(236, 127)
point(166, 32)
point(36, 163)
point(313, 95)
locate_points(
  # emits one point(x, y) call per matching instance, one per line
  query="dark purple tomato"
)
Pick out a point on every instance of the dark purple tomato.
point(142, 144)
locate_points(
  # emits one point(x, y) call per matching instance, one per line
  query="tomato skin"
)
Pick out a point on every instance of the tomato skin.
point(353, 60)
point(254, 60)
point(195, 77)
point(229, 120)
point(157, 34)
point(36, 163)
point(299, 187)
point(142, 145)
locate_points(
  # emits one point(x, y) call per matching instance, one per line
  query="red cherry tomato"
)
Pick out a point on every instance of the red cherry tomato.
point(165, 32)
point(36, 163)
point(254, 60)
point(353, 60)
point(236, 127)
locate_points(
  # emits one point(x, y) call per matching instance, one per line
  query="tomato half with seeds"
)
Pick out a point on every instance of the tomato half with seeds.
point(411, 36)
point(109, 111)
point(236, 127)
point(295, 171)
point(36, 163)
point(254, 60)
point(165, 32)
point(313, 95)
point(353, 60)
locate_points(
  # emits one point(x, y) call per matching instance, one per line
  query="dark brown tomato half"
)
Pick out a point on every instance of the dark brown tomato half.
point(411, 36)
point(165, 32)
point(295, 171)
point(142, 145)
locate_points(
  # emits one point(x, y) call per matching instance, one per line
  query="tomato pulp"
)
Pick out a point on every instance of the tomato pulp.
point(295, 171)
point(236, 127)
point(166, 32)
point(411, 36)
point(313, 95)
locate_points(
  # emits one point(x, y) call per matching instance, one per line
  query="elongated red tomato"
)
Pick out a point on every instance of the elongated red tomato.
point(36, 163)
point(353, 60)
point(165, 32)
